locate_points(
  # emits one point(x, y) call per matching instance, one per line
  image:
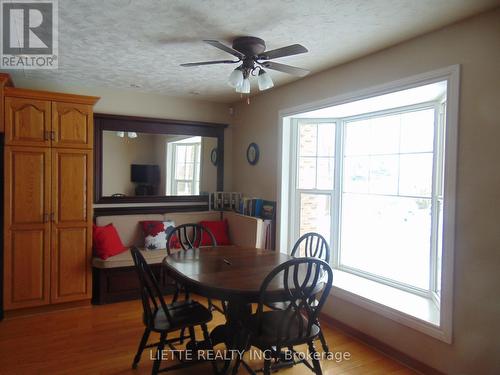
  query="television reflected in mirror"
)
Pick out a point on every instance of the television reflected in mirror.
point(136, 164)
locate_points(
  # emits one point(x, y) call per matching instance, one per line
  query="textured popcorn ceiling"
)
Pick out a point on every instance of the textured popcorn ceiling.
point(122, 43)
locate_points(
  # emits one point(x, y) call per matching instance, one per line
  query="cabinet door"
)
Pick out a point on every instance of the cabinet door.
point(26, 226)
point(72, 125)
point(72, 225)
point(27, 122)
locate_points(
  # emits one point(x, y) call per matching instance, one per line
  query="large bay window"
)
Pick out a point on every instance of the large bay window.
point(369, 175)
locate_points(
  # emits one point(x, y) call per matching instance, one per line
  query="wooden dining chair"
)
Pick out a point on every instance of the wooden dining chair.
point(163, 318)
point(187, 237)
point(309, 245)
point(304, 280)
point(314, 246)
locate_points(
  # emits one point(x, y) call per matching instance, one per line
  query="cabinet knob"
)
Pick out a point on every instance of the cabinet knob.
point(46, 135)
point(45, 218)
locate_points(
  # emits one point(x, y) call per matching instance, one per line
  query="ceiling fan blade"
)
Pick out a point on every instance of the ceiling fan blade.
point(209, 62)
point(225, 48)
point(286, 68)
point(293, 49)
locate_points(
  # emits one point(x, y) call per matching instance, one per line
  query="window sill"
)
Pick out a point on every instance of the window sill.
point(414, 311)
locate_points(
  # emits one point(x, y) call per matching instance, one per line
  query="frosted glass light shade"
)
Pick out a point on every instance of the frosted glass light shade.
point(132, 134)
point(244, 88)
point(120, 134)
point(235, 78)
point(264, 80)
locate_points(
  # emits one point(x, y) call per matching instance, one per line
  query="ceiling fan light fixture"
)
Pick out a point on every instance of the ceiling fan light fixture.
point(264, 80)
point(120, 134)
point(236, 77)
point(132, 135)
point(252, 57)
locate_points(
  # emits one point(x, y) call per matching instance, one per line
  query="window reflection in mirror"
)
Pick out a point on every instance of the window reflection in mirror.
point(144, 164)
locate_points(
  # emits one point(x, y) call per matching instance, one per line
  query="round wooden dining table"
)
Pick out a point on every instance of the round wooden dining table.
point(228, 273)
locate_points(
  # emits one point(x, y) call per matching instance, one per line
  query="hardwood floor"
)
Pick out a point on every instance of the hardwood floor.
point(103, 340)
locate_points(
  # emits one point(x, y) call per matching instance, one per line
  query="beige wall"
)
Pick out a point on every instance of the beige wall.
point(119, 154)
point(475, 44)
point(137, 103)
point(208, 177)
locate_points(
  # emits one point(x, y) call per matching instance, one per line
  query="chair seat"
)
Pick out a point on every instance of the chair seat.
point(271, 323)
point(183, 314)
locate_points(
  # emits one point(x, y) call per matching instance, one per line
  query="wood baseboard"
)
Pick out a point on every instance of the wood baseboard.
point(45, 309)
point(381, 346)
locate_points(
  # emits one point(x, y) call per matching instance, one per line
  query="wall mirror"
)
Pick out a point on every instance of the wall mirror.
point(141, 160)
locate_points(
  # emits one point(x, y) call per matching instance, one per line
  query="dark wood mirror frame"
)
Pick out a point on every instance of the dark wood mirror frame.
point(156, 126)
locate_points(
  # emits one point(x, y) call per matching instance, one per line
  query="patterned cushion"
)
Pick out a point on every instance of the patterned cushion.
point(156, 232)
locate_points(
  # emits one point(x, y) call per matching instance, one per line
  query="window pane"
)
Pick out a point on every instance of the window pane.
point(307, 140)
point(387, 236)
point(325, 170)
point(307, 173)
point(415, 175)
point(315, 214)
point(190, 153)
point(184, 171)
point(180, 172)
point(184, 188)
point(384, 174)
point(326, 140)
point(189, 171)
point(384, 135)
point(417, 131)
point(180, 154)
point(357, 138)
point(356, 174)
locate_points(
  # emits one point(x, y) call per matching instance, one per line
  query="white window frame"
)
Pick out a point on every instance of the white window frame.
point(294, 218)
point(173, 166)
point(442, 331)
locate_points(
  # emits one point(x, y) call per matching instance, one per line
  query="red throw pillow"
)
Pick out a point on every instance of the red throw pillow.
point(220, 231)
point(106, 241)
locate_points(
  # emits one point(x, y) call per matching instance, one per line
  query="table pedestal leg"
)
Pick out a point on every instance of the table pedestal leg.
point(232, 333)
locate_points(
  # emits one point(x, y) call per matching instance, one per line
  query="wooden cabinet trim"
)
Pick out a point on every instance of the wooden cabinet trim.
point(59, 226)
point(5, 81)
point(13, 107)
point(9, 183)
point(82, 138)
point(56, 185)
point(11, 228)
point(80, 283)
point(47, 95)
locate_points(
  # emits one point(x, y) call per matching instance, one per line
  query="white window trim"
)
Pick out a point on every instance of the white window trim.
point(293, 217)
point(173, 166)
point(442, 332)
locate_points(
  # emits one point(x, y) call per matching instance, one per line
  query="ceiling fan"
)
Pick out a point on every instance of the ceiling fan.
point(251, 53)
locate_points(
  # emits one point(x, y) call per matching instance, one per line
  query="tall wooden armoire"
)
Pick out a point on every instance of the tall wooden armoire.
point(48, 185)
